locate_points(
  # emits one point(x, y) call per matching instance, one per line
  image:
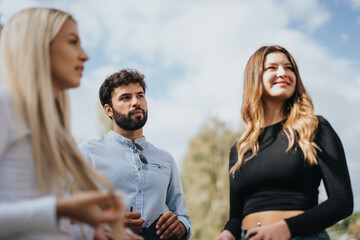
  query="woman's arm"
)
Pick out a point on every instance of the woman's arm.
point(35, 215)
point(85, 207)
point(233, 225)
point(42, 214)
point(336, 179)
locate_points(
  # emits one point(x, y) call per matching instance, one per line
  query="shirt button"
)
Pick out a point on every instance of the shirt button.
point(139, 169)
point(159, 166)
point(139, 190)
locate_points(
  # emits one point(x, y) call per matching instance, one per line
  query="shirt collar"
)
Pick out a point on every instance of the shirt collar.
point(121, 139)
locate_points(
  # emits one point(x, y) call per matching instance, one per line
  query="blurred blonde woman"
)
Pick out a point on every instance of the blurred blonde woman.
point(44, 180)
point(286, 150)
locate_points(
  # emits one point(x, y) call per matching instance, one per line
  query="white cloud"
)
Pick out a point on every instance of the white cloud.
point(344, 38)
point(309, 13)
point(8, 8)
point(355, 4)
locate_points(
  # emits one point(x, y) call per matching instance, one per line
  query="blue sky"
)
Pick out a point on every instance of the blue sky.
point(193, 54)
point(341, 33)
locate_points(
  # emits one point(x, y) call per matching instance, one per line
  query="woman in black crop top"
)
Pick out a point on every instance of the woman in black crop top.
point(277, 164)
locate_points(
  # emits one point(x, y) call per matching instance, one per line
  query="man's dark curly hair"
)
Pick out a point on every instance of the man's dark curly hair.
point(124, 77)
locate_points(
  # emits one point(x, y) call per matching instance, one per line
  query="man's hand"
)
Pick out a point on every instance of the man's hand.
point(169, 226)
point(133, 221)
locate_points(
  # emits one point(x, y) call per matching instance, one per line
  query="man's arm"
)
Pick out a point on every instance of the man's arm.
point(177, 219)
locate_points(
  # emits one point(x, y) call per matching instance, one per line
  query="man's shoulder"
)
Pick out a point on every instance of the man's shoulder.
point(98, 141)
point(158, 150)
point(162, 155)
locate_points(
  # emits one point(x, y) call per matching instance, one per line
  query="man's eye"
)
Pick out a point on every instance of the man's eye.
point(125, 98)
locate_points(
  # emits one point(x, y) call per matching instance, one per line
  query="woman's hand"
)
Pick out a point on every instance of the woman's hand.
point(278, 231)
point(226, 235)
point(85, 207)
point(102, 232)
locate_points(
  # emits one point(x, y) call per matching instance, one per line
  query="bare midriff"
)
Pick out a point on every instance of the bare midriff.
point(267, 217)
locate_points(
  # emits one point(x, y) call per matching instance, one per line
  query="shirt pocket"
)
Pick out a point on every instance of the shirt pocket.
point(157, 177)
point(158, 168)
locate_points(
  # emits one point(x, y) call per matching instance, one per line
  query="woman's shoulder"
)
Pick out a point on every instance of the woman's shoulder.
point(325, 133)
point(233, 146)
point(7, 122)
point(233, 155)
point(324, 124)
point(4, 100)
point(3, 94)
point(322, 119)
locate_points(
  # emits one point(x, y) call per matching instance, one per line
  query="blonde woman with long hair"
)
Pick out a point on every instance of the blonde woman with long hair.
point(286, 150)
point(44, 180)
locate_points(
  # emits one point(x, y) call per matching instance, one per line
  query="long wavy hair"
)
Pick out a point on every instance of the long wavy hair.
point(300, 124)
point(26, 72)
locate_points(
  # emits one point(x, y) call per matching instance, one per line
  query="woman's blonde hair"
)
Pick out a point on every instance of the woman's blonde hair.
point(300, 124)
point(25, 56)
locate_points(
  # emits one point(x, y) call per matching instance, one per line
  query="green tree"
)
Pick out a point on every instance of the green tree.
point(348, 226)
point(354, 225)
point(205, 179)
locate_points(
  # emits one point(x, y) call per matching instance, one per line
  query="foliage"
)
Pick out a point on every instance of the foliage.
point(349, 225)
point(205, 179)
point(354, 225)
point(347, 222)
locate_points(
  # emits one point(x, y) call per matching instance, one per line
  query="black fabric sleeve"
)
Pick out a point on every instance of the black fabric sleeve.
point(336, 179)
point(236, 202)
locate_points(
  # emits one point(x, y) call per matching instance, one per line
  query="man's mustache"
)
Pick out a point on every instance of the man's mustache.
point(136, 109)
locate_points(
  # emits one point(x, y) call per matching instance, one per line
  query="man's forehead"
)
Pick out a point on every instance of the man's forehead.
point(131, 88)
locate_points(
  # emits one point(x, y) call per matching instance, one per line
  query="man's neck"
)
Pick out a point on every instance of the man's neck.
point(130, 134)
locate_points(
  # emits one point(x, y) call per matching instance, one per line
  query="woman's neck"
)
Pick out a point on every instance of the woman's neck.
point(273, 113)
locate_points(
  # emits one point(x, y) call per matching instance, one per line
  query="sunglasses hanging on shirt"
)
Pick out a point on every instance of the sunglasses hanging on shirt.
point(138, 149)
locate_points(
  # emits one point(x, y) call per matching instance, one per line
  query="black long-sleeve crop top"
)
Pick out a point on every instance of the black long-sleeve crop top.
point(278, 180)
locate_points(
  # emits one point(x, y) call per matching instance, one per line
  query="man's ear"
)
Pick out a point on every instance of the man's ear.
point(108, 111)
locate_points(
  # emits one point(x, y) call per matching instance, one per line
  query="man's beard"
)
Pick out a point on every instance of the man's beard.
point(127, 123)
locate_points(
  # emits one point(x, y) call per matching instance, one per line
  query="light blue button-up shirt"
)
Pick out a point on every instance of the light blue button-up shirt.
point(151, 189)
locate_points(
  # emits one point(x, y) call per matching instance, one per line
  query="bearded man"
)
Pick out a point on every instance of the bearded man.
point(147, 175)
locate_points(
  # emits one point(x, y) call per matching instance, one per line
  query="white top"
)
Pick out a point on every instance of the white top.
point(24, 213)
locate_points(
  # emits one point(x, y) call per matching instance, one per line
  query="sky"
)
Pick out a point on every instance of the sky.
point(193, 55)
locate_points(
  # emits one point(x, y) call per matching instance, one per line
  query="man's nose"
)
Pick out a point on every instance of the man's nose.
point(135, 101)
